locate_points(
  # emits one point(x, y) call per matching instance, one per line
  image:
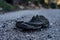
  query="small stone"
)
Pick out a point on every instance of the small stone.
point(48, 39)
point(49, 36)
point(3, 26)
point(51, 23)
point(27, 35)
point(33, 36)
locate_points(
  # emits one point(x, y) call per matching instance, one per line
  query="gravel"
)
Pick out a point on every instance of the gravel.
point(8, 31)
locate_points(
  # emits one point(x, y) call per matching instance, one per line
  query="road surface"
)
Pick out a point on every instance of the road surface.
point(8, 33)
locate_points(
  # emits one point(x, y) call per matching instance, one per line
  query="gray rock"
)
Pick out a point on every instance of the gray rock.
point(36, 22)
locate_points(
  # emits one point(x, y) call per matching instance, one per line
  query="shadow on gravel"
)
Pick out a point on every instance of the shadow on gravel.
point(31, 30)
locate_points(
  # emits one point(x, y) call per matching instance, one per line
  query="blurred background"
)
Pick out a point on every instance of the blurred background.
point(9, 5)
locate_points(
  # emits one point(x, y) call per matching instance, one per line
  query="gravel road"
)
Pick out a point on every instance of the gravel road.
point(9, 32)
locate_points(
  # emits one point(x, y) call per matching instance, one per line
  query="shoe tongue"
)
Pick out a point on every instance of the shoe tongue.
point(36, 20)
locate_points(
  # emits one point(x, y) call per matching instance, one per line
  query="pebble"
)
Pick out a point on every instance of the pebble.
point(51, 23)
point(49, 36)
point(27, 35)
point(48, 39)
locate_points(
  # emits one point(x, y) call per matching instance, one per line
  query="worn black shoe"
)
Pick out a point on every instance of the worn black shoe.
point(36, 22)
